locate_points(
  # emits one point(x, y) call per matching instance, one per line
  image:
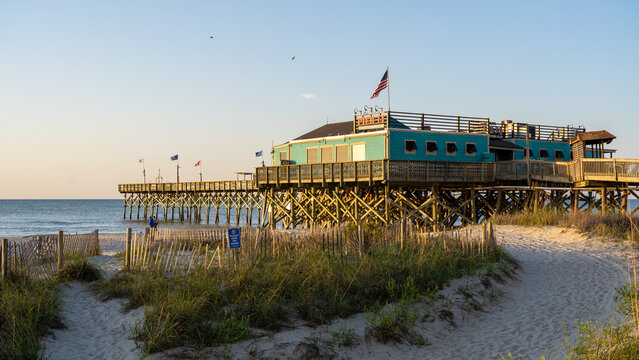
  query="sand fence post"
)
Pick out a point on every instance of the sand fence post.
point(127, 254)
point(97, 243)
point(60, 249)
point(4, 265)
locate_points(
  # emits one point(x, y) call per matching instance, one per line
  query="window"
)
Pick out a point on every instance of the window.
point(312, 155)
point(530, 154)
point(431, 147)
point(543, 154)
point(559, 155)
point(327, 154)
point(284, 158)
point(572, 155)
point(341, 153)
point(471, 149)
point(410, 146)
point(451, 148)
point(359, 152)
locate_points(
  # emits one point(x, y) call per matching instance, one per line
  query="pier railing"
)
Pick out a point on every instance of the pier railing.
point(370, 171)
point(231, 185)
point(603, 170)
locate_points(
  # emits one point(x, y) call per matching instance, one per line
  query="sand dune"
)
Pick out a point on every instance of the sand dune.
point(564, 276)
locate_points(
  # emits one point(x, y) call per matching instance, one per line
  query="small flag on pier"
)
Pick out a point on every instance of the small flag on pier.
point(383, 84)
point(174, 157)
point(198, 163)
point(258, 153)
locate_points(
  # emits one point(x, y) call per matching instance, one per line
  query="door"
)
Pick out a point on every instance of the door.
point(359, 152)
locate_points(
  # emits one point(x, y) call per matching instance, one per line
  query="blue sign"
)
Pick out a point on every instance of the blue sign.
point(234, 238)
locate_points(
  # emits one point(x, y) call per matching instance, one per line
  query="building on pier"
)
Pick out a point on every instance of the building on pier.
point(432, 170)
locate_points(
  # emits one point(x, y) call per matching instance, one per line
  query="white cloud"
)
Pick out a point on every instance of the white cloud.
point(309, 96)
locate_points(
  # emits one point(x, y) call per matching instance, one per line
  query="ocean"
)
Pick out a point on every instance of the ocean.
point(31, 217)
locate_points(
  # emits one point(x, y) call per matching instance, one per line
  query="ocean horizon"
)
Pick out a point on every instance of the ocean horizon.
point(35, 217)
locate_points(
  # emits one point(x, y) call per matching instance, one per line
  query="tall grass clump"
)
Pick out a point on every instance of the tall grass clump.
point(605, 225)
point(28, 308)
point(300, 281)
point(78, 269)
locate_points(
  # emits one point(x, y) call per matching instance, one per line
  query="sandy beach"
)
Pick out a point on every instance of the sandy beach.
point(564, 277)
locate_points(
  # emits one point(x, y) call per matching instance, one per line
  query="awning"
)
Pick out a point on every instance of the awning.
point(503, 145)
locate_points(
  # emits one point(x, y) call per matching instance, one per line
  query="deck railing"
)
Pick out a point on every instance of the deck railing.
point(395, 171)
point(465, 124)
point(230, 185)
point(414, 172)
point(605, 170)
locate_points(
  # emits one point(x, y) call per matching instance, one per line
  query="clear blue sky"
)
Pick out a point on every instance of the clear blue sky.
point(89, 87)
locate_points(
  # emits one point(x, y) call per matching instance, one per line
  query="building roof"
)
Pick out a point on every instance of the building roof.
point(501, 144)
point(592, 137)
point(334, 129)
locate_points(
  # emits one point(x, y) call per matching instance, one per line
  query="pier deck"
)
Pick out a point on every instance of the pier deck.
point(437, 194)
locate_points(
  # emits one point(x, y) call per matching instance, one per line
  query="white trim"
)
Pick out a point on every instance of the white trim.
point(338, 137)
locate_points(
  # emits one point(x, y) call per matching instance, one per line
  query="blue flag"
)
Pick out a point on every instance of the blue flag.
point(174, 157)
point(258, 154)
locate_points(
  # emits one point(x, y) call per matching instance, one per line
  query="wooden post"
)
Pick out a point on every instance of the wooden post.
point(624, 201)
point(604, 204)
point(4, 264)
point(402, 230)
point(60, 250)
point(96, 249)
point(127, 254)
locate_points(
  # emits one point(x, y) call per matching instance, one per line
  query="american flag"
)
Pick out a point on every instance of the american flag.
point(383, 84)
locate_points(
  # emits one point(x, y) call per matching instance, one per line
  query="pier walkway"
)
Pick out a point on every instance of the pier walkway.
point(437, 194)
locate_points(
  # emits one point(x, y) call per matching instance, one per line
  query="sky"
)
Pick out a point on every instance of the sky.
point(87, 88)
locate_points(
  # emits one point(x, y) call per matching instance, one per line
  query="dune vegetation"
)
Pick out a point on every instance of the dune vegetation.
point(303, 284)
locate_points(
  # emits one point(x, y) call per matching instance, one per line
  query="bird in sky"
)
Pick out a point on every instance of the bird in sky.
point(293, 58)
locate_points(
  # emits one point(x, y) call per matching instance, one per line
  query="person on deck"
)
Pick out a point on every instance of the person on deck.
point(152, 222)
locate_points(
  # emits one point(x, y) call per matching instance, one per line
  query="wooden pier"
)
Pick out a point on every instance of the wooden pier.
point(434, 194)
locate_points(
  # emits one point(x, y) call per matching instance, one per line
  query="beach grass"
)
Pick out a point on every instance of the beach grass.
point(611, 225)
point(28, 309)
point(78, 269)
point(221, 306)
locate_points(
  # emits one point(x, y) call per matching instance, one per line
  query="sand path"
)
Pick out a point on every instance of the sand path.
point(563, 276)
point(95, 329)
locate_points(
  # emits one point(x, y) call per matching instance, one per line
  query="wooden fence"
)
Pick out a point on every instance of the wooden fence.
point(41, 256)
point(183, 252)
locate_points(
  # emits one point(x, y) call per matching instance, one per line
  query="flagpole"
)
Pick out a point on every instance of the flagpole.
point(388, 80)
point(178, 170)
point(143, 171)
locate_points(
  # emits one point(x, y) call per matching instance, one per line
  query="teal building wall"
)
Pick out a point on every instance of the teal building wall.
point(375, 147)
point(397, 147)
point(536, 145)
